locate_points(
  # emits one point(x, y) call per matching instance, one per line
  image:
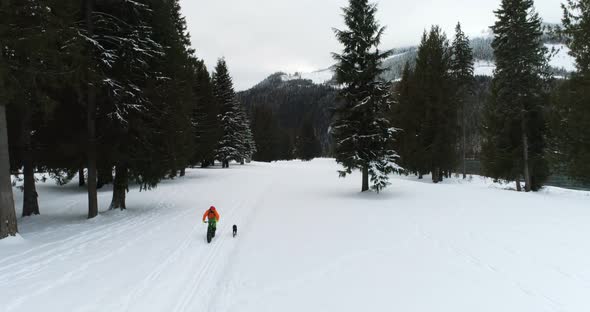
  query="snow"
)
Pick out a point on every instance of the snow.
point(562, 59)
point(307, 241)
point(484, 68)
point(318, 77)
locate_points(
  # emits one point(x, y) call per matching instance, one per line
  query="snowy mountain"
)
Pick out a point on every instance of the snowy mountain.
point(561, 62)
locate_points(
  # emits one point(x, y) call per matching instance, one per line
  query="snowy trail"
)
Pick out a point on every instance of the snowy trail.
point(307, 241)
point(106, 249)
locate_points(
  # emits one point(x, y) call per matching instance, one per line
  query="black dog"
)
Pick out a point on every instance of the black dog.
point(235, 230)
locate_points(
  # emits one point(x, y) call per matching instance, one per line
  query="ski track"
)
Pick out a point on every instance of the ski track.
point(71, 246)
point(68, 248)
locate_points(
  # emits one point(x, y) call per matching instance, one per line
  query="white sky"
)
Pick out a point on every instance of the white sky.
point(260, 37)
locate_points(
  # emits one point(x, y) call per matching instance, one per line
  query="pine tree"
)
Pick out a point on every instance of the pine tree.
point(437, 112)
point(248, 145)
point(124, 101)
point(462, 69)
point(571, 109)
point(576, 22)
point(362, 133)
point(230, 145)
point(307, 145)
point(28, 56)
point(272, 142)
point(407, 116)
point(514, 144)
point(205, 122)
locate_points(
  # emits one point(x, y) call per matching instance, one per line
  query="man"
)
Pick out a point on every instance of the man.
point(212, 217)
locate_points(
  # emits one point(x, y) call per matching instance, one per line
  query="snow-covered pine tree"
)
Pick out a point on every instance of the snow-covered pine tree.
point(127, 35)
point(462, 69)
point(248, 146)
point(514, 129)
point(362, 134)
point(231, 143)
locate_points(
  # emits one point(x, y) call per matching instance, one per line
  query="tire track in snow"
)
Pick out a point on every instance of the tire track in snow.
point(214, 264)
point(191, 290)
point(245, 221)
point(155, 274)
point(38, 263)
point(85, 267)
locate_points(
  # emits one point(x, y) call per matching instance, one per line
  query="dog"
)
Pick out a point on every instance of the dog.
point(235, 230)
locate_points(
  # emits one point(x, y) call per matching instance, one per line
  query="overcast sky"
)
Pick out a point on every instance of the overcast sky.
point(260, 37)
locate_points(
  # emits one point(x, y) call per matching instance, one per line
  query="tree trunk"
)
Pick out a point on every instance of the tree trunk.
point(81, 180)
point(518, 187)
point(525, 154)
point(30, 203)
point(365, 179)
point(91, 119)
point(120, 186)
point(435, 173)
point(8, 224)
point(464, 141)
point(100, 181)
point(182, 172)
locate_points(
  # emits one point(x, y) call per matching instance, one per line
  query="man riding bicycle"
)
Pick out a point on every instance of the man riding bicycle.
point(211, 216)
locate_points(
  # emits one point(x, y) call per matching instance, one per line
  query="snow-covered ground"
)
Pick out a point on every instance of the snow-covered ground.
point(562, 59)
point(307, 241)
point(484, 68)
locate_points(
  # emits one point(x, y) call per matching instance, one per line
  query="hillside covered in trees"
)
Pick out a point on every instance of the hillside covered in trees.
point(281, 109)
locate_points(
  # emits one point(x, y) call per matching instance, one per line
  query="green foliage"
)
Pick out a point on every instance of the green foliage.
point(570, 113)
point(514, 123)
point(272, 142)
point(576, 27)
point(434, 101)
point(307, 145)
point(292, 102)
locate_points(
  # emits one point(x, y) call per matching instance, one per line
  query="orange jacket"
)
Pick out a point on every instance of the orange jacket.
point(210, 214)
